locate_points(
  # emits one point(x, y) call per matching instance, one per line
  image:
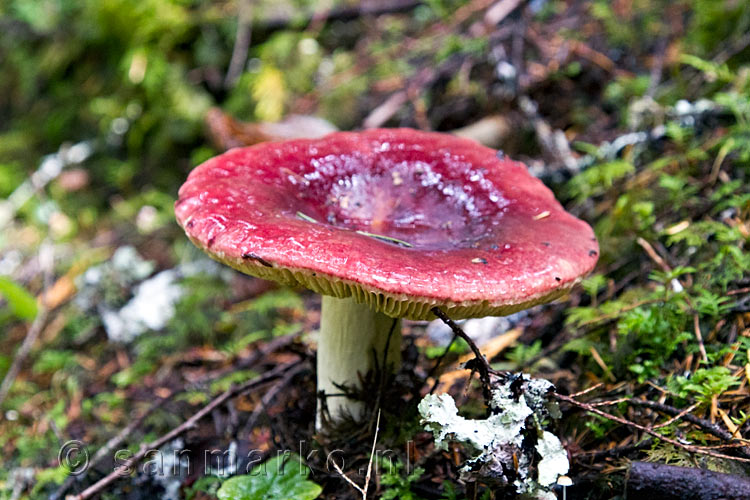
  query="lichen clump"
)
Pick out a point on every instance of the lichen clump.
point(510, 448)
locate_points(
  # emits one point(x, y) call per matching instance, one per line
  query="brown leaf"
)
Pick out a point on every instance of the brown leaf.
point(227, 133)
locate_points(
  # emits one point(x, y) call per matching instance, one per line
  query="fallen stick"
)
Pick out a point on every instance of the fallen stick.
point(651, 481)
point(190, 423)
point(648, 430)
point(347, 13)
point(705, 425)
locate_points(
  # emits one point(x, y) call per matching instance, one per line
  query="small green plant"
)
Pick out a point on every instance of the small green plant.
point(205, 484)
point(704, 384)
point(522, 353)
point(280, 478)
point(397, 481)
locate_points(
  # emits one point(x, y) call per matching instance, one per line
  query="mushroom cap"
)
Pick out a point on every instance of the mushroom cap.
point(399, 219)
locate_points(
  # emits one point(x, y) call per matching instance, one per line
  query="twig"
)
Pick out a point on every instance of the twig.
point(699, 337)
point(110, 445)
point(705, 425)
point(257, 355)
point(381, 114)
point(439, 361)
point(346, 478)
point(181, 429)
point(612, 402)
point(737, 46)
point(614, 452)
point(649, 249)
point(600, 361)
point(690, 448)
point(499, 11)
point(268, 398)
point(372, 454)
point(677, 417)
point(343, 13)
point(241, 43)
point(362, 490)
point(382, 370)
point(385, 111)
point(483, 366)
point(658, 66)
point(49, 169)
point(586, 391)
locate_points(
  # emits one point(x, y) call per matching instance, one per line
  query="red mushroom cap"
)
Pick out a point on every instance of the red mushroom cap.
point(400, 219)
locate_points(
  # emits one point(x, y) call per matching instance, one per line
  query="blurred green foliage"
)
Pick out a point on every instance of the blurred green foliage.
point(135, 79)
point(674, 201)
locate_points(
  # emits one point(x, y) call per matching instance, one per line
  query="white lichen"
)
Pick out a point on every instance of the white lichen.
point(129, 300)
point(554, 461)
point(502, 445)
point(152, 306)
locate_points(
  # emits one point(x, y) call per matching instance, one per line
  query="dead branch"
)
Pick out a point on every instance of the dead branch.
point(651, 481)
point(616, 452)
point(362, 489)
point(182, 428)
point(110, 446)
point(268, 398)
point(348, 13)
point(482, 365)
point(703, 424)
point(241, 43)
point(648, 430)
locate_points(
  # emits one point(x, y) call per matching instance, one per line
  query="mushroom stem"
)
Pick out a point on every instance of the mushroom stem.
point(353, 340)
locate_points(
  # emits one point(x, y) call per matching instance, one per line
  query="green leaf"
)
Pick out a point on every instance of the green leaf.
point(21, 302)
point(274, 479)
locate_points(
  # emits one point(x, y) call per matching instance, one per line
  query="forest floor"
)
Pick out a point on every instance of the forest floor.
point(124, 342)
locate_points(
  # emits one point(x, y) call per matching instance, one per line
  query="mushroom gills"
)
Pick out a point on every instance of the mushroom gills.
point(353, 341)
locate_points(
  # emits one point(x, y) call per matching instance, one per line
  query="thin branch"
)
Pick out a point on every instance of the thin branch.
point(342, 13)
point(439, 361)
point(705, 425)
point(382, 370)
point(687, 447)
point(653, 254)
point(362, 490)
point(241, 43)
point(618, 451)
point(110, 445)
point(586, 391)
point(372, 454)
point(677, 417)
point(257, 355)
point(122, 471)
point(483, 366)
point(699, 337)
point(268, 398)
point(386, 110)
point(346, 478)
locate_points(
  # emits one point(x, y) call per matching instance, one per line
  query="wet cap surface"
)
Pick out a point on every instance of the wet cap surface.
point(401, 219)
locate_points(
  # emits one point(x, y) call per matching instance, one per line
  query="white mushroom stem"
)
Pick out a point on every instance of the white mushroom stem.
point(352, 338)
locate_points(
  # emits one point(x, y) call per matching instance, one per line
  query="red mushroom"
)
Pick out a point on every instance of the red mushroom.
point(386, 224)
